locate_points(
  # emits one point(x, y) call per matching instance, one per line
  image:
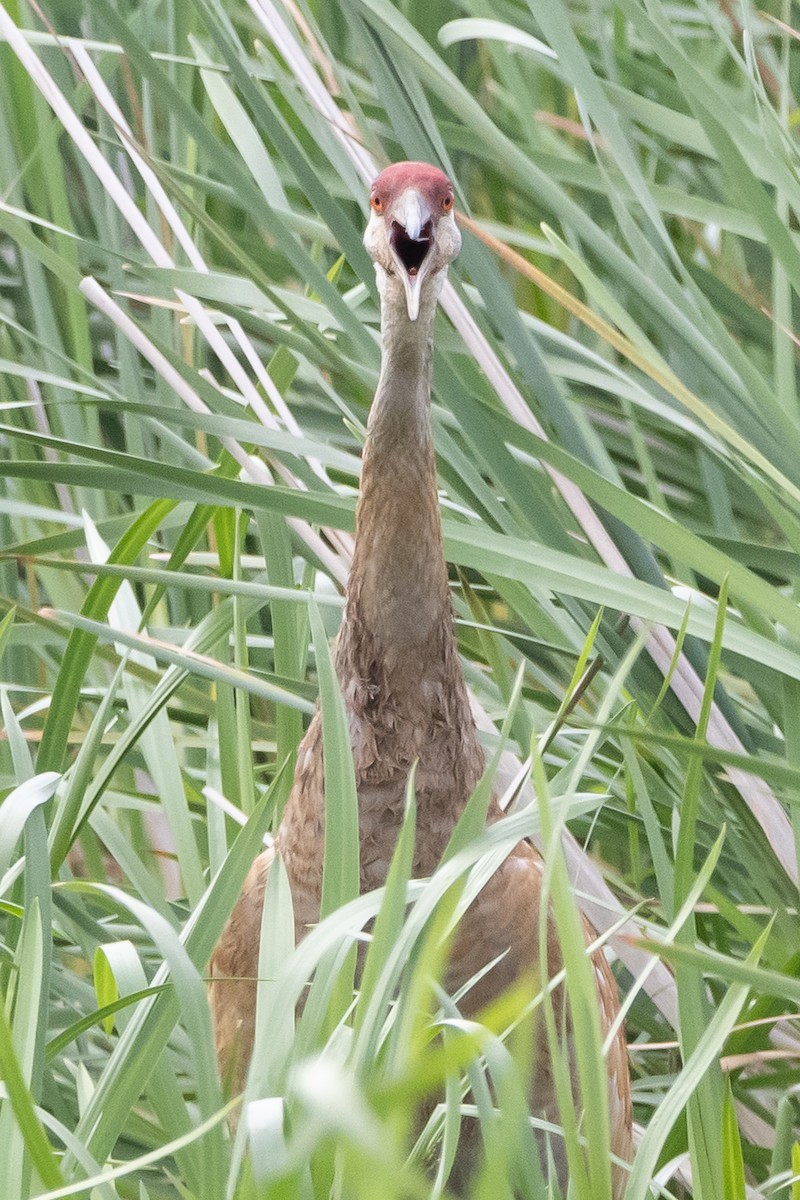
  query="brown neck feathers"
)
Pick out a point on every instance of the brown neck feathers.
point(396, 655)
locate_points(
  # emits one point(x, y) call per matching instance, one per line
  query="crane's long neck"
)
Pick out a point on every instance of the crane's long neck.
point(397, 656)
point(398, 584)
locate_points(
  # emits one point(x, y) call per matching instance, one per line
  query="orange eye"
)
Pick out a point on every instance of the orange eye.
point(447, 204)
point(376, 203)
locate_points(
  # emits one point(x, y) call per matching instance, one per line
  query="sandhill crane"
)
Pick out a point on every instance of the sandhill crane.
point(398, 667)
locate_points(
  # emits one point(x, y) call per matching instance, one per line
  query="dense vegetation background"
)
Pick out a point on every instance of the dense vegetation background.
point(187, 354)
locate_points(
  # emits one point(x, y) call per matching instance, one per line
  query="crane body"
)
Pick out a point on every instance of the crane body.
point(406, 700)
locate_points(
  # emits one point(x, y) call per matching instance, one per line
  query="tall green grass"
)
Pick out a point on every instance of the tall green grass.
point(187, 354)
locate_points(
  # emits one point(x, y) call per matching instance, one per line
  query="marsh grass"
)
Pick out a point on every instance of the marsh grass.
point(187, 354)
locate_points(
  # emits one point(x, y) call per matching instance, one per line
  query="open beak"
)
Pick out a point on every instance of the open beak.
point(411, 239)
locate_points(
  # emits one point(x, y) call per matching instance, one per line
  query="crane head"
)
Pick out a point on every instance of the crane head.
point(412, 234)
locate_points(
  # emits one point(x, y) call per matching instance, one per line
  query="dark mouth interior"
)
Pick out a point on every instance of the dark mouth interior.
point(411, 251)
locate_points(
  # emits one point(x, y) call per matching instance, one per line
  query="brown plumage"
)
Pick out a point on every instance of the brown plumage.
point(397, 662)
